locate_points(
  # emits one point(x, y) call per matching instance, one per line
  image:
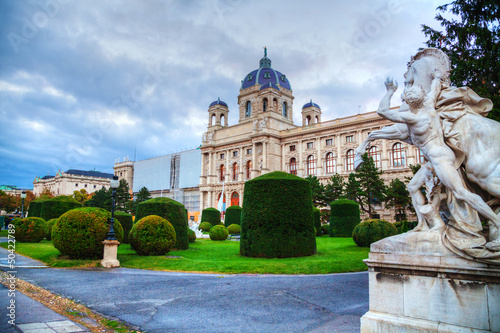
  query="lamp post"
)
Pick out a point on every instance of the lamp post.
point(114, 185)
point(110, 259)
point(23, 196)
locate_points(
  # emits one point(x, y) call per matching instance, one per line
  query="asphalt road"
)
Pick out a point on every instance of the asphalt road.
point(183, 302)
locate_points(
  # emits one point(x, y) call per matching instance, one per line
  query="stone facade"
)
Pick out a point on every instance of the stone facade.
point(65, 183)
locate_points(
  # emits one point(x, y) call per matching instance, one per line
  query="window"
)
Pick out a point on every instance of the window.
point(310, 145)
point(264, 105)
point(221, 173)
point(292, 148)
point(235, 171)
point(235, 153)
point(293, 166)
point(249, 169)
point(235, 199)
point(373, 153)
point(221, 156)
point(311, 165)
point(397, 155)
point(420, 157)
point(249, 151)
point(285, 110)
point(248, 109)
point(329, 142)
point(350, 160)
point(349, 138)
point(95, 186)
point(85, 185)
point(308, 120)
point(76, 185)
point(330, 166)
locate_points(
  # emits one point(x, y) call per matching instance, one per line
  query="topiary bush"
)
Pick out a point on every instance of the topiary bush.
point(218, 233)
point(35, 207)
point(344, 216)
point(29, 229)
point(171, 210)
point(191, 236)
point(211, 215)
point(55, 207)
point(152, 235)
point(205, 226)
point(233, 215)
point(370, 231)
point(127, 222)
point(79, 232)
point(317, 221)
point(48, 228)
point(325, 229)
point(277, 218)
point(234, 229)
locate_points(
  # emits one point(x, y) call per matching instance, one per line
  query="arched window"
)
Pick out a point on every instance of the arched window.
point(222, 118)
point(349, 165)
point(308, 120)
point(397, 155)
point(248, 110)
point(264, 105)
point(330, 166)
point(221, 173)
point(249, 169)
point(293, 166)
point(212, 120)
point(235, 171)
point(420, 157)
point(311, 165)
point(373, 153)
point(235, 199)
point(285, 110)
point(317, 119)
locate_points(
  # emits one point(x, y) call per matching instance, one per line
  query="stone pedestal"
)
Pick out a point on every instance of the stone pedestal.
point(110, 254)
point(417, 285)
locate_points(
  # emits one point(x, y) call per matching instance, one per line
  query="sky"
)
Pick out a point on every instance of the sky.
point(83, 83)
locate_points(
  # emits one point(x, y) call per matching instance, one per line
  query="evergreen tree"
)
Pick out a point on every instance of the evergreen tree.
point(122, 196)
point(334, 189)
point(352, 188)
point(101, 199)
point(141, 196)
point(317, 190)
point(471, 40)
point(398, 197)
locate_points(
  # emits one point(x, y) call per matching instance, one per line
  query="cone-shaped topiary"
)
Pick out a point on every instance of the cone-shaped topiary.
point(55, 207)
point(171, 210)
point(370, 231)
point(218, 233)
point(344, 216)
point(205, 226)
point(233, 215)
point(152, 235)
point(234, 229)
point(48, 228)
point(317, 221)
point(192, 236)
point(79, 232)
point(126, 222)
point(211, 215)
point(30, 229)
point(277, 218)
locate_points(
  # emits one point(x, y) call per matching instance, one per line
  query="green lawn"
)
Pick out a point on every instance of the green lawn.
point(4, 233)
point(335, 255)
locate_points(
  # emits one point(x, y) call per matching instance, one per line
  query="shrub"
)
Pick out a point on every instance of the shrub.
point(370, 231)
point(29, 229)
point(277, 218)
point(171, 210)
point(412, 224)
point(404, 227)
point(79, 232)
point(234, 229)
point(317, 221)
point(211, 215)
point(35, 207)
point(218, 233)
point(233, 215)
point(205, 226)
point(48, 228)
point(398, 226)
point(55, 207)
point(152, 235)
point(344, 217)
point(325, 229)
point(126, 222)
point(191, 236)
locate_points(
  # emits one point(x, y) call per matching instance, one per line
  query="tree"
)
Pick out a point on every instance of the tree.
point(46, 194)
point(352, 188)
point(141, 196)
point(471, 40)
point(101, 199)
point(317, 190)
point(122, 196)
point(334, 189)
point(398, 197)
point(8, 202)
point(81, 196)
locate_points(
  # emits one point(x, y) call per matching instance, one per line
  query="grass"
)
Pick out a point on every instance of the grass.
point(4, 233)
point(335, 255)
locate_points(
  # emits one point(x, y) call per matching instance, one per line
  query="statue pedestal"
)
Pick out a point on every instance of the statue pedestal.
point(417, 285)
point(110, 254)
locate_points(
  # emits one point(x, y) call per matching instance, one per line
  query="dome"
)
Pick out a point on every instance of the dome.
point(218, 102)
point(308, 105)
point(264, 75)
point(269, 85)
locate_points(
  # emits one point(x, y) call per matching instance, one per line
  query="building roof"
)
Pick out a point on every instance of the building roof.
point(47, 177)
point(269, 85)
point(91, 173)
point(308, 105)
point(218, 102)
point(264, 75)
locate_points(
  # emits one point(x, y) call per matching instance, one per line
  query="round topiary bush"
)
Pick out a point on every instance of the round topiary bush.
point(55, 207)
point(79, 232)
point(317, 221)
point(370, 231)
point(233, 215)
point(127, 222)
point(205, 226)
point(211, 215)
point(152, 235)
point(234, 229)
point(218, 233)
point(192, 236)
point(344, 216)
point(29, 229)
point(48, 228)
point(277, 218)
point(171, 210)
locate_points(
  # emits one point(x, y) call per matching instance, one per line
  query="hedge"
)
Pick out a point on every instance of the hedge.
point(218, 233)
point(55, 207)
point(233, 215)
point(171, 210)
point(191, 236)
point(30, 229)
point(126, 221)
point(370, 231)
point(211, 215)
point(205, 226)
point(234, 229)
point(317, 221)
point(48, 228)
point(35, 207)
point(344, 216)
point(277, 218)
point(152, 235)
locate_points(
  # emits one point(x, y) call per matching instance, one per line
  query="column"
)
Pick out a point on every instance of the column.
point(300, 168)
point(227, 176)
point(253, 172)
point(209, 176)
point(384, 159)
point(283, 162)
point(264, 156)
point(340, 165)
point(319, 163)
point(242, 170)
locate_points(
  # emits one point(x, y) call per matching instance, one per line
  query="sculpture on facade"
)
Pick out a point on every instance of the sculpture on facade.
point(462, 147)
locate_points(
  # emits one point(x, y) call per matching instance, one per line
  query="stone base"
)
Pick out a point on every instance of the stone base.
point(430, 291)
point(110, 254)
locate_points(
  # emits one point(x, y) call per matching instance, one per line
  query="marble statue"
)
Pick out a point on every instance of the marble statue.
point(462, 147)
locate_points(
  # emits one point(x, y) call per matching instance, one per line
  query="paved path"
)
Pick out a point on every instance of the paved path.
point(184, 302)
